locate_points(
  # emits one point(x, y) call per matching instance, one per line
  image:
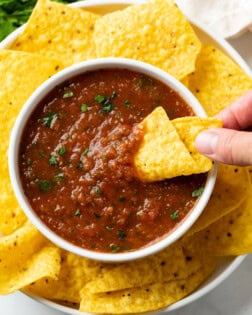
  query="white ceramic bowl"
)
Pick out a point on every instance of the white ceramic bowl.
point(38, 96)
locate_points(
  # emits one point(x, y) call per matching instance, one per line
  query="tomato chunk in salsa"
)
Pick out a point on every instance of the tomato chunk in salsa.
point(76, 162)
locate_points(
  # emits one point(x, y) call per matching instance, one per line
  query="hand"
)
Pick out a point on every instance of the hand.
point(230, 144)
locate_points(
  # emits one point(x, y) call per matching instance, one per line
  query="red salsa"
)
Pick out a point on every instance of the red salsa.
point(76, 162)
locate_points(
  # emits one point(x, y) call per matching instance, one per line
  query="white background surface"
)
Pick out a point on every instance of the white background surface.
point(232, 297)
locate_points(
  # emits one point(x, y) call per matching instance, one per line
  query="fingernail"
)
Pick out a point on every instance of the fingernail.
point(206, 142)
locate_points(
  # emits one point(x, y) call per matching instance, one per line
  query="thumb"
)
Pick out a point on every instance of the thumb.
point(226, 145)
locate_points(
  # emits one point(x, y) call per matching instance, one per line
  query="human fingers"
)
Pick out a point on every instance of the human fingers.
point(226, 145)
point(239, 114)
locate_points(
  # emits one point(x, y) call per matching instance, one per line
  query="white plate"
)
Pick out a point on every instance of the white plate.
point(225, 266)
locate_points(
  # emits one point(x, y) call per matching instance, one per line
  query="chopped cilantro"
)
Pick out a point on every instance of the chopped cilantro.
point(85, 152)
point(107, 106)
point(198, 192)
point(100, 98)
point(84, 108)
point(59, 178)
point(44, 185)
point(114, 248)
point(97, 215)
point(127, 103)
point(48, 119)
point(68, 94)
point(53, 160)
point(79, 166)
point(97, 190)
point(175, 215)
point(77, 213)
point(62, 151)
point(106, 103)
point(114, 94)
point(121, 234)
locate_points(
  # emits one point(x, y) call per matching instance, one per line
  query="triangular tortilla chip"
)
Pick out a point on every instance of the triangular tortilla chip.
point(155, 32)
point(58, 31)
point(162, 154)
point(167, 149)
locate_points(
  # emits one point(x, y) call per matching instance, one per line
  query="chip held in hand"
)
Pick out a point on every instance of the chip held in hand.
point(167, 149)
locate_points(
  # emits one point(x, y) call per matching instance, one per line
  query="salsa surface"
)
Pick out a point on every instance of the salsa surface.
point(76, 162)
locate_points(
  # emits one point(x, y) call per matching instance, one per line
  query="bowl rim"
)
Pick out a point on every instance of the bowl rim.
point(30, 105)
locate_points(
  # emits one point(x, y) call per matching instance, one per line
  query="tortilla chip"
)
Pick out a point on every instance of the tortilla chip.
point(75, 272)
point(159, 267)
point(24, 258)
point(217, 80)
point(45, 263)
point(21, 74)
point(55, 30)
point(232, 187)
point(147, 297)
point(167, 149)
point(188, 128)
point(155, 32)
point(161, 154)
point(232, 234)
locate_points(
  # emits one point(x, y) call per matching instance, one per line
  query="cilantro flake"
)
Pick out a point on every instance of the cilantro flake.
point(85, 152)
point(77, 213)
point(106, 103)
point(49, 119)
point(121, 234)
point(62, 151)
point(127, 103)
point(114, 248)
point(198, 192)
point(83, 108)
point(68, 94)
point(44, 185)
point(53, 160)
point(100, 98)
point(175, 215)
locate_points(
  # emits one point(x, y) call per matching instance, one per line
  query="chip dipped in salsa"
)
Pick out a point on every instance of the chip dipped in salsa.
point(76, 162)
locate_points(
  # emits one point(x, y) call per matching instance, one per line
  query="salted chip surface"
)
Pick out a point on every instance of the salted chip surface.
point(232, 188)
point(232, 234)
point(147, 297)
point(167, 149)
point(58, 31)
point(155, 32)
point(26, 256)
point(158, 267)
point(44, 263)
point(75, 272)
point(217, 80)
point(21, 74)
point(188, 128)
point(161, 154)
